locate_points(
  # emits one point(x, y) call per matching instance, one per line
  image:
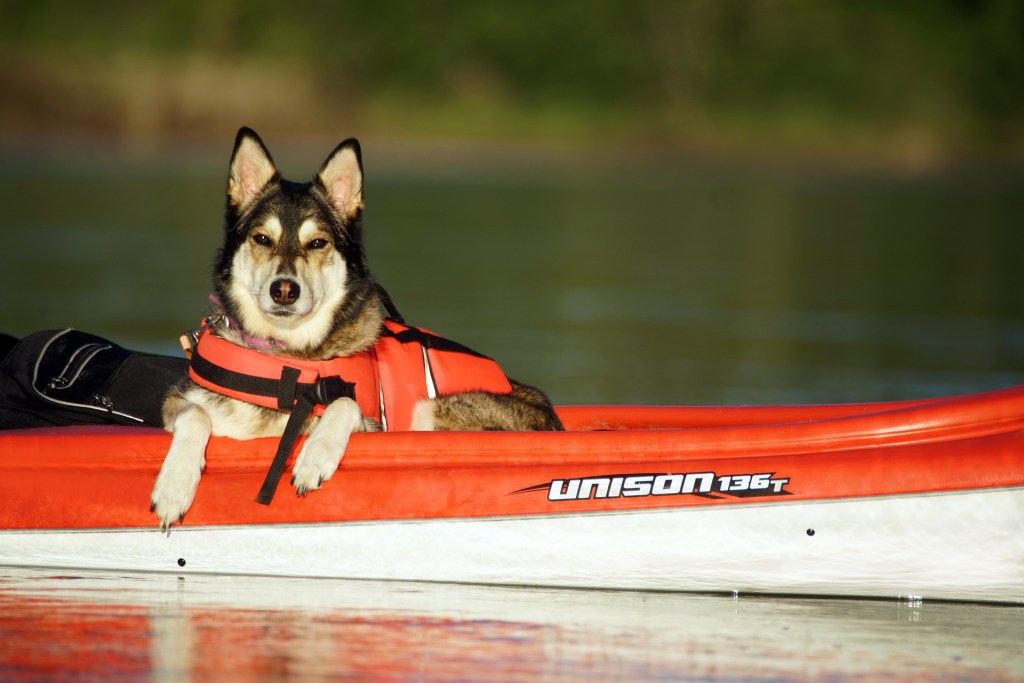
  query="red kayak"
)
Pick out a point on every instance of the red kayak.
point(917, 498)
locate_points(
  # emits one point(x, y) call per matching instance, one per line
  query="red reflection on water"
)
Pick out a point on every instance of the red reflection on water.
point(55, 640)
point(70, 640)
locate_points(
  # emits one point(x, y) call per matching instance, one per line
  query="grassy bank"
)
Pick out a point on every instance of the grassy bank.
point(914, 83)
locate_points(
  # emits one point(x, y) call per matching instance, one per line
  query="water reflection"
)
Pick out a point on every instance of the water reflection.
point(94, 626)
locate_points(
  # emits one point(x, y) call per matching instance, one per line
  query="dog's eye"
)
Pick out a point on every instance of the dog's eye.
point(318, 243)
point(262, 240)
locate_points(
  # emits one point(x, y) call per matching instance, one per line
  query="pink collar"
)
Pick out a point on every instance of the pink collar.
point(254, 343)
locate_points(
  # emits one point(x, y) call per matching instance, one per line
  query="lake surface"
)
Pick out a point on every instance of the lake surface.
point(601, 279)
point(117, 627)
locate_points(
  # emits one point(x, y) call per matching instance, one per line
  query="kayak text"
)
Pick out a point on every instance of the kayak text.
point(640, 485)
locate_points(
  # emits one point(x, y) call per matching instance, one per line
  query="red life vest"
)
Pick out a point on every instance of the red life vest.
point(406, 365)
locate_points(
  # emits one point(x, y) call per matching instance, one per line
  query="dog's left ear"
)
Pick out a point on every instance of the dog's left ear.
point(341, 178)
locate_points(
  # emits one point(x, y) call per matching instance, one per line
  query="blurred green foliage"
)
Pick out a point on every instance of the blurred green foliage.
point(924, 76)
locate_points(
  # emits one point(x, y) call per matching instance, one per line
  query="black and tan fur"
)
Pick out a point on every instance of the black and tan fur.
point(293, 269)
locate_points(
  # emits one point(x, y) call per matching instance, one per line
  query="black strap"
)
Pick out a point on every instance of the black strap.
point(427, 340)
point(302, 410)
point(287, 387)
point(300, 399)
point(229, 379)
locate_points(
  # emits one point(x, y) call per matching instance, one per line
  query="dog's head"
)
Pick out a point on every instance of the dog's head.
point(292, 266)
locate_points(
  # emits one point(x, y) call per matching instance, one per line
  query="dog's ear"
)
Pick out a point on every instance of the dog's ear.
point(251, 169)
point(341, 178)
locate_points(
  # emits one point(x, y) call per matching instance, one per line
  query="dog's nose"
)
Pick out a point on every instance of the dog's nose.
point(284, 292)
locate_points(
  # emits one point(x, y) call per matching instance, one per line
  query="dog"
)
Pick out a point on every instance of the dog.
point(291, 284)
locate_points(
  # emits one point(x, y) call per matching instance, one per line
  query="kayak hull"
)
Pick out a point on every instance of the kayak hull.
point(915, 499)
point(939, 546)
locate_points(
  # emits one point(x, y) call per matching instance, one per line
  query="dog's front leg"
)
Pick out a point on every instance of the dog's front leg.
point(175, 487)
point(323, 450)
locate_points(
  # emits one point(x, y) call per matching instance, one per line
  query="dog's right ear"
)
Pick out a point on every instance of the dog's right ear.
point(251, 169)
point(341, 178)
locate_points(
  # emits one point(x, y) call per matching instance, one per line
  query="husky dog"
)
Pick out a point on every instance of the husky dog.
point(291, 279)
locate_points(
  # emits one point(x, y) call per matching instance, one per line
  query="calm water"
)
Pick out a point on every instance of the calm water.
point(602, 280)
point(107, 627)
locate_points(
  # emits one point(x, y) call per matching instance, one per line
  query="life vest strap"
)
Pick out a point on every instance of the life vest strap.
point(287, 387)
point(323, 390)
point(301, 407)
point(428, 340)
point(300, 398)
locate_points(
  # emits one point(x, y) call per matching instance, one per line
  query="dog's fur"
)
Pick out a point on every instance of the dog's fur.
point(292, 269)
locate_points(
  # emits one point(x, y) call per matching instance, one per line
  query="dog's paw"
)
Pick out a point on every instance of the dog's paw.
point(323, 450)
point(174, 491)
point(317, 461)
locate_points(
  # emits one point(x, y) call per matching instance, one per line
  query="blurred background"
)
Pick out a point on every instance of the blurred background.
point(652, 201)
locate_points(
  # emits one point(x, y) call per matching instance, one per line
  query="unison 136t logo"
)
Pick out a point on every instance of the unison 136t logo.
point(705, 484)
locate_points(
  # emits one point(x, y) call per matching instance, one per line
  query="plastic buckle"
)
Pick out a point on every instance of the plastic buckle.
point(329, 389)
